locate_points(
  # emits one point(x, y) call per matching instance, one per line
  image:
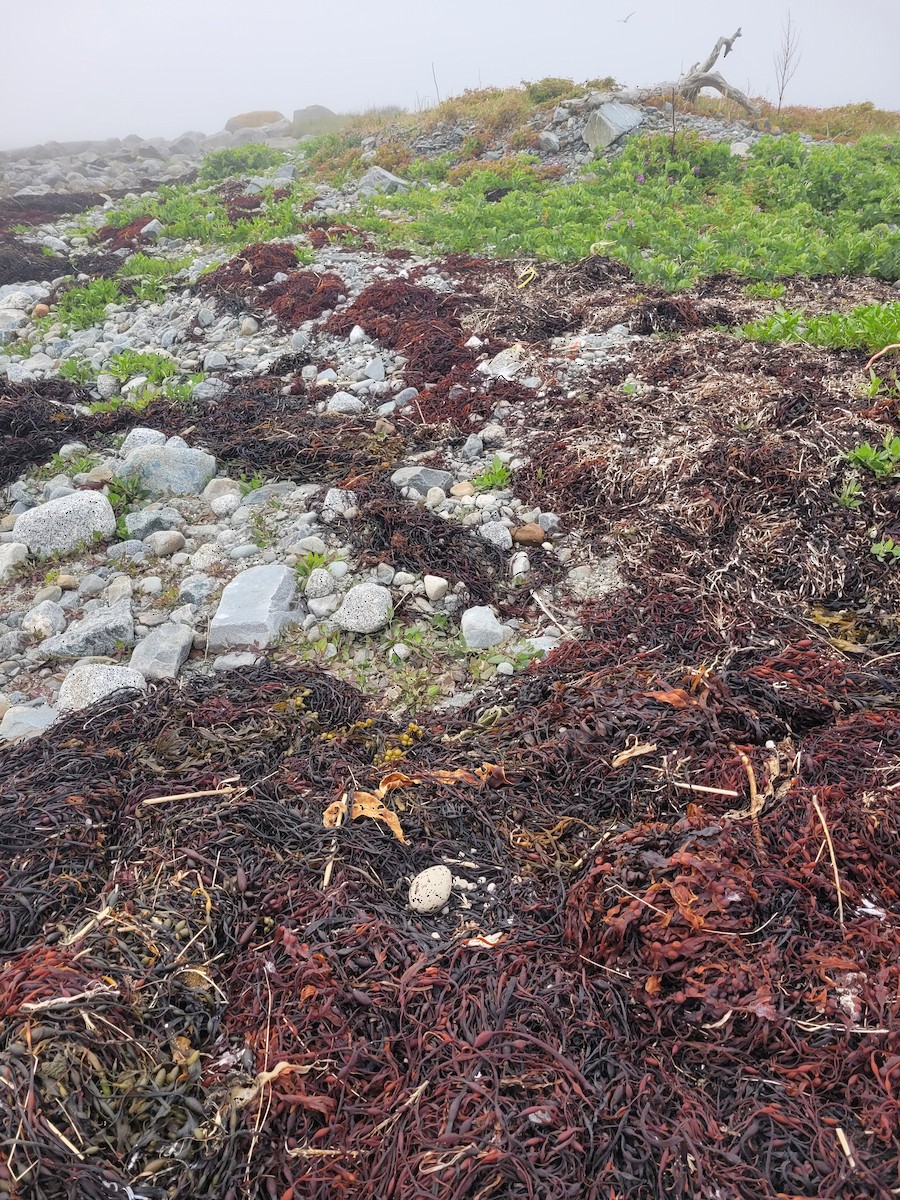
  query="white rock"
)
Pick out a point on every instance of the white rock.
point(497, 534)
point(341, 501)
point(430, 889)
point(44, 619)
point(59, 526)
point(87, 683)
point(436, 587)
point(225, 505)
point(11, 554)
point(320, 583)
point(481, 629)
point(609, 122)
point(141, 436)
point(366, 608)
point(344, 402)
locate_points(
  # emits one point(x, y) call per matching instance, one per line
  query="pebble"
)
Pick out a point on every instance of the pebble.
point(430, 890)
point(529, 535)
point(436, 587)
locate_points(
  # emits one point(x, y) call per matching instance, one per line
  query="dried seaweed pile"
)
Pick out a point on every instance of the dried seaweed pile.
point(421, 323)
point(717, 464)
point(672, 969)
point(253, 428)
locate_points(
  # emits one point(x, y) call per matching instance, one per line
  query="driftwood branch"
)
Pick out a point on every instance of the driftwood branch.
point(701, 75)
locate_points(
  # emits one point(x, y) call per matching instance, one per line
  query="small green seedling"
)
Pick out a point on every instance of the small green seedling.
point(495, 478)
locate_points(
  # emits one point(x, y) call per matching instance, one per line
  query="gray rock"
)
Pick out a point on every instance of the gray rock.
point(366, 608)
point(164, 542)
point(87, 683)
point(548, 141)
point(108, 386)
point(102, 632)
point(60, 526)
point(430, 890)
point(309, 545)
point(504, 365)
point(608, 123)
point(405, 396)
point(323, 606)
point(341, 501)
point(254, 608)
point(481, 629)
point(11, 555)
point(141, 524)
point(473, 448)
point(44, 620)
point(215, 360)
point(172, 469)
point(377, 179)
point(344, 402)
point(161, 654)
point(420, 479)
point(50, 592)
point(210, 389)
point(139, 437)
point(497, 534)
point(152, 229)
point(740, 149)
point(197, 589)
point(91, 585)
point(236, 661)
point(131, 548)
point(23, 721)
point(375, 370)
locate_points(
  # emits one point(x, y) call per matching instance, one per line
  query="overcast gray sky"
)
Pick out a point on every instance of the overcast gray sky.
point(103, 68)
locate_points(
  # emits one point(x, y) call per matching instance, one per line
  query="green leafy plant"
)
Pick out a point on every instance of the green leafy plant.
point(883, 461)
point(239, 160)
point(850, 494)
point(250, 483)
point(124, 493)
point(763, 290)
point(495, 478)
point(84, 305)
point(869, 327)
point(887, 551)
point(152, 277)
point(672, 215)
point(308, 563)
point(126, 364)
point(181, 392)
point(76, 370)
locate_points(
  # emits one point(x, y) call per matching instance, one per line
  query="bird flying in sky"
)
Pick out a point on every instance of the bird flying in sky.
point(625, 20)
